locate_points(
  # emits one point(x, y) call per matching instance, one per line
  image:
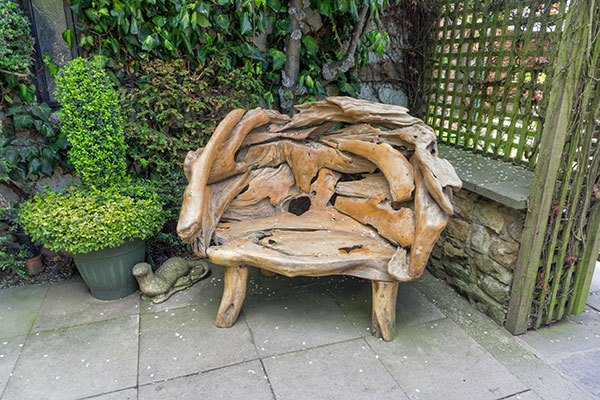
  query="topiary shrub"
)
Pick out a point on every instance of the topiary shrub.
point(93, 121)
point(80, 221)
point(16, 45)
point(107, 209)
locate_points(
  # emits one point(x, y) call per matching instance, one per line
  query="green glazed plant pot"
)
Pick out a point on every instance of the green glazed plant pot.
point(107, 272)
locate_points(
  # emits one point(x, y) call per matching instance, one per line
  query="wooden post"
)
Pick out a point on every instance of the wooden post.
point(234, 293)
point(567, 67)
point(383, 323)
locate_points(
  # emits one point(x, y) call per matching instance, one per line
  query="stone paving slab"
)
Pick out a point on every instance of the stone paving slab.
point(296, 319)
point(10, 349)
point(438, 357)
point(516, 356)
point(585, 369)
point(241, 381)
point(70, 303)
point(207, 290)
point(593, 300)
point(565, 337)
point(77, 362)
point(271, 285)
point(185, 340)
point(19, 308)
point(127, 394)
point(505, 183)
point(348, 370)
point(355, 297)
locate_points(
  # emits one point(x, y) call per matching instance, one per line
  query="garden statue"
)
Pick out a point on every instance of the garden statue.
point(174, 275)
point(344, 187)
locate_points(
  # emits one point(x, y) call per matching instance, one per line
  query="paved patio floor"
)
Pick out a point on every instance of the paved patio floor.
point(301, 338)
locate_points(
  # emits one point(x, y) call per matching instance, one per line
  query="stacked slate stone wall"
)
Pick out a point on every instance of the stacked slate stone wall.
point(477, 252)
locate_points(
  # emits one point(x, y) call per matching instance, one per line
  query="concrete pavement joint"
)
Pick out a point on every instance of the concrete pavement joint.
point(514, 394)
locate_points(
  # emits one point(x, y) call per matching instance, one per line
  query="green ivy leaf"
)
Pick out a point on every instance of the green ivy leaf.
point(158, 20)
point(49, 154)
point(23, 121)
point(16, 109)
point(42, 111)
point(203, 20)
point(168, 45)
point(68, 36)
point(310, 44)
point(325, 7)
point(308, 81)
point(222, 21)
point(17, 174)
point(46, 168)
point(269, 99)
point(62, 143)
point(26, 93)
point(134, 30)
point(185, 19)
point(12, 155)
point(148, 44)
point(245, 25)
point(47, 130)
point(34, 166)
point(279, 58)
point(275, 5)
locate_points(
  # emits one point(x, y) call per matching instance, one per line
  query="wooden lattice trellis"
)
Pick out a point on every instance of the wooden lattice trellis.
point(561, 238)
point(572, 235)
point(494, 61)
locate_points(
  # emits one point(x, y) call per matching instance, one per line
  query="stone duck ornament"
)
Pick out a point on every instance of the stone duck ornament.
point(174, 275)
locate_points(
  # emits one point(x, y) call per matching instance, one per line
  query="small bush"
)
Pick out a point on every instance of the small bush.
point(16, 45)
point(176, 109)
point(93, 121)
point(80, 221)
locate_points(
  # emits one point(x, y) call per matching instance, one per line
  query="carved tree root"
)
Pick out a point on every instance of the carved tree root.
point(266, 272)
point(234, 293)
point(383, 323)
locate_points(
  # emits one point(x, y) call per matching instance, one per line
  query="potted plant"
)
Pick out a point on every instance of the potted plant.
point(104, 220)
point(28, 252)
point(11, 256)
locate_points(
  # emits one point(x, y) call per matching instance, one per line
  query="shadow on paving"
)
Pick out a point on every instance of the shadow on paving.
point(300, 338)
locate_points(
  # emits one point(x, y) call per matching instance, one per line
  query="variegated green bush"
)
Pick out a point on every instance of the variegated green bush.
point(80, 221)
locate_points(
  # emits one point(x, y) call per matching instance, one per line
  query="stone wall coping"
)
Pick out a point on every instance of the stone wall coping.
point(504, 183)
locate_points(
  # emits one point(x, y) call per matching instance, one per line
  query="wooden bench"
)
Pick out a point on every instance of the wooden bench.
point(345, 187)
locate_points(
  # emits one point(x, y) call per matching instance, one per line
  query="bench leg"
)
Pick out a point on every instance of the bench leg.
point(383, 323)
point(266, 272)
point(234, 293)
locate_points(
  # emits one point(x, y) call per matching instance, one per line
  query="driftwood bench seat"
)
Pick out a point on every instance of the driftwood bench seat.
point(345, 187)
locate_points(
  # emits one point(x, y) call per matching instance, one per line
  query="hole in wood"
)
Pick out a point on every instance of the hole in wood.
point(300, 205)
point(350, 249)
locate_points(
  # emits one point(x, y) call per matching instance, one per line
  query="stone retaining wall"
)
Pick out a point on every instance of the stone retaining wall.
point(477, 252)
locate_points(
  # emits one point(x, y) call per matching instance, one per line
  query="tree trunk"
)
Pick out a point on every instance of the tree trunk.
point(289, 76)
